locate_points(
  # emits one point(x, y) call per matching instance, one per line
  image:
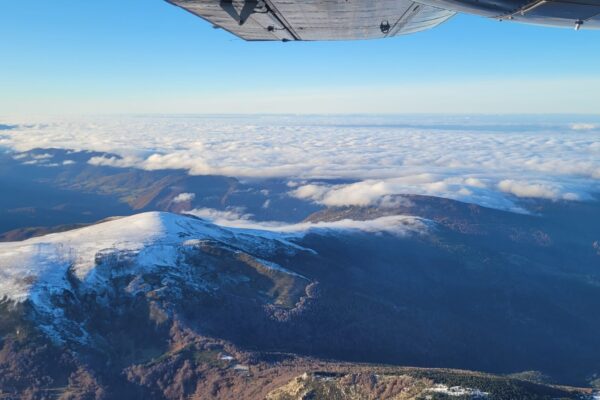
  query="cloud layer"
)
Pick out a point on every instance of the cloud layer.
point(488, 160)
point(398, 225)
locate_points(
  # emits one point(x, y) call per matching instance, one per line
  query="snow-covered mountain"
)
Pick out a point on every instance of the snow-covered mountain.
point(86, 260)
point(149, 303)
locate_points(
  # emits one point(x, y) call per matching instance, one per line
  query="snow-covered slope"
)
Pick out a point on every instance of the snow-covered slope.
point(164, 257)
point(152, 236)
point(51, 271)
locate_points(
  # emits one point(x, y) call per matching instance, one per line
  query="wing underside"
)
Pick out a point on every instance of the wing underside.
point(316, 19)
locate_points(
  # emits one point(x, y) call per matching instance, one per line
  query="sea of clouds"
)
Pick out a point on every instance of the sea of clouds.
point(492, 161)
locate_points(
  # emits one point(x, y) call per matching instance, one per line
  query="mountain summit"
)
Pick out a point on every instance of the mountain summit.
point(88, 260)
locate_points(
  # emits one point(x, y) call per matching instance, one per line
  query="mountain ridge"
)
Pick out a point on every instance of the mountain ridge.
point(152, 294)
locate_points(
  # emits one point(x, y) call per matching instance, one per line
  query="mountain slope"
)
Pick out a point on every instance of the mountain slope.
point(154, 305)
point(89, 259)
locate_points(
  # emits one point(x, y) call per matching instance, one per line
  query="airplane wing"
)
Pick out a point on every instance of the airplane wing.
point(316, 19)
point(372, 19)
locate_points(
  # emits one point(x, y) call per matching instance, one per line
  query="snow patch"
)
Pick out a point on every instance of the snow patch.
point(457, 391)
point(36, 268)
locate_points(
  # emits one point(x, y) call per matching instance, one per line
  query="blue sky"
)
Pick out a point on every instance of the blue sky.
point(109, 56)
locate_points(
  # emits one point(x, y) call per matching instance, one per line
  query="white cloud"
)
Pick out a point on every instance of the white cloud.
point(474, 182)
point(184, 197)
point(380, 192)
point(582, 126)
point(311, 192)
point(360, 193)
point(33, 158)
point(44, 156)
point(221, 217)
point(112, 161)
point(525, 189)
point(397, 225)
point(459, 157)
point(293, 184)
